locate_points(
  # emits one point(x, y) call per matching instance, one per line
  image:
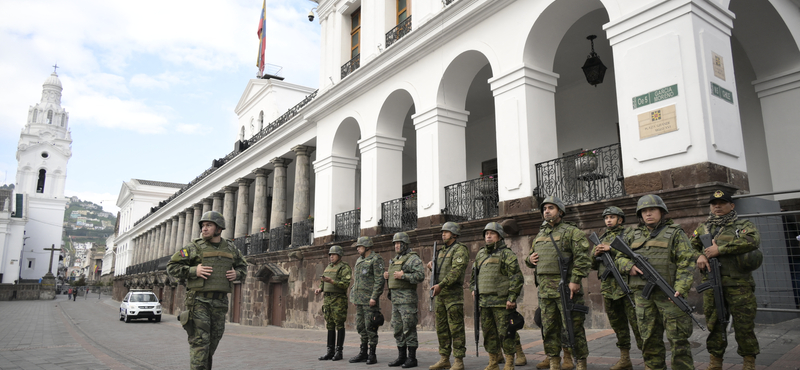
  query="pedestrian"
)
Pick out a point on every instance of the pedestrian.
point(498, 283)
point(69, 294)
point(365, 295)
point(619, 309)
point(74, 294)
point(735, 244)
point(209, 265)
point(334, 283)
point(667, 248)
point(557, 238)
point(405, 272)
point(452, 258)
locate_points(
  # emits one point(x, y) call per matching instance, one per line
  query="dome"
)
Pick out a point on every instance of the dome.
point(53, 80)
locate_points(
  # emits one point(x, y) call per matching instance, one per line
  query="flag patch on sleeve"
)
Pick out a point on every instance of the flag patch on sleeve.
point(184, 253)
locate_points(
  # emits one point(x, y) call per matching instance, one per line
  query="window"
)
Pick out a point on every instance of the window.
point(40, 183)
point(252, 129)
point(63, 119)
point(49, 117)
point(402, 10)
point(355, 33)
point(35, 115)
point(261, 121)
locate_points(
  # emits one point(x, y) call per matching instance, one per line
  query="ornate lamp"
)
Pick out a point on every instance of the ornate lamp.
point(594, 68)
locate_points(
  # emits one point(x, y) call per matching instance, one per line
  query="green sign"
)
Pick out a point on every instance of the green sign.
point(721, 93)
point(655, 96)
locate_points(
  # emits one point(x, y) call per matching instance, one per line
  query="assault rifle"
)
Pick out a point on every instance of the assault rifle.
point(434, 272)
point(567, 306)
point(611, 269)
point(476, 315)
point(654, 279)
point(714, 282)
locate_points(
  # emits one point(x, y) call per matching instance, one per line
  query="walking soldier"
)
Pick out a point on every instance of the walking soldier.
point(334, 283)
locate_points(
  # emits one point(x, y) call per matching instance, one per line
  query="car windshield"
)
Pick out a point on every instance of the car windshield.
point(144, 298)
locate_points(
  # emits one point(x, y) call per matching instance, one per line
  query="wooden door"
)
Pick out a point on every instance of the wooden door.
point(276, 305)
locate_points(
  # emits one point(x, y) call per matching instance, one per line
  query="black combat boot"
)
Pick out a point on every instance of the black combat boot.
point(361, 356)
point(372, 359)
point(331, 339)
point(339, 346)
point(401, 357)
point(411, 361)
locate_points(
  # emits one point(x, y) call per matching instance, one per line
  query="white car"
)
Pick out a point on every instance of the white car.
point(140, 304)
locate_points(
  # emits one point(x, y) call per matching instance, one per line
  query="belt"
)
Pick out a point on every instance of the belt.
point(211, 295)
point(328, 294)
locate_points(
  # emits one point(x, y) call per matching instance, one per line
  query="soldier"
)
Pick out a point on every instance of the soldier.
point(499, 282)
point(543, 257)
point(668, 249)
point(405, 272)
point(735, 244)
point(334, 283)
point(208, 265)
point(365, 295)
point(451, 263)
point(618, 307)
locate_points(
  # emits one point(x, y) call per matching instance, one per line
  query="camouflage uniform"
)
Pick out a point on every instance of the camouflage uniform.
point(205, 319)
point(404, 300)
point(334, 305)
point(451, 262)
point(669, 251)
point(367, 284)
point(618, 308)
point(734, 238)
point(573, 244)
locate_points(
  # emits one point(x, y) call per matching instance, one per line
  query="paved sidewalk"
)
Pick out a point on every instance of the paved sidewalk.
point(87, 334)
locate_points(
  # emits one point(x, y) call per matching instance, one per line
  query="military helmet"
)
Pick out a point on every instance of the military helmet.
point(555, 201)
point(750, 261)
point(213, 216)
point(452, 227)
point(515, 322)
point(336, 250)
point(537, 317)
point(613, 210)
point(364, 241)
point(650, 201)
point(496, 227)
point(401, 237)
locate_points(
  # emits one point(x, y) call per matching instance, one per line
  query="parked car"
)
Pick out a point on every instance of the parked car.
point(140, 304)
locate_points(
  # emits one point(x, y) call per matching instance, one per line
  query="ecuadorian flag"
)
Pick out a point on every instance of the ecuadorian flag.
point(262, 27)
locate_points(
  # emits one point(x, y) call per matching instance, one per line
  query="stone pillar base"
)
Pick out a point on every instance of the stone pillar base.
point(685, 177)
point(430, 221)
point(47, 290)
point(517, 206)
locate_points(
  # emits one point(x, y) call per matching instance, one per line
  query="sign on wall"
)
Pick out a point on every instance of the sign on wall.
point(719, 66)
point(722, 93)
point(655, 96)
point(657, 122)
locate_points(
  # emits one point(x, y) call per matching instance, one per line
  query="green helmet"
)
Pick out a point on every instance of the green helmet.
point(401, 237)
point(614, 211)
point(336, 250)
point(496, 227)
point(452, 227)
point(650, 201)
point(364, 241)
point(212, 216)
point(555, 201)
point(750, 261)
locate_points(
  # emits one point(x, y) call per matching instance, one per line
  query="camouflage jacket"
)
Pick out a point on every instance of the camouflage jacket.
point(571, 241)
point(452, 281)
point(609, 288)
point(413, 273)
point(509, 268)
point(183, 264)
point(343, 276)
point(740, 236)
point(367, 279)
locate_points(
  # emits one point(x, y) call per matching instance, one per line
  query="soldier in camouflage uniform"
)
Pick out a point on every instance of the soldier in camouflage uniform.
point(618, 307)
point(208, 265)
point(365, 295)
point(499, 283)
point(334, 283)
point(733, 239)
point(543, 256)
point(451, 262)
point(405, 272)
point(668, 250)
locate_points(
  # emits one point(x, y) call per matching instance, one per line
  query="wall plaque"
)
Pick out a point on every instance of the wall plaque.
point(719, 66)
point(657, 122)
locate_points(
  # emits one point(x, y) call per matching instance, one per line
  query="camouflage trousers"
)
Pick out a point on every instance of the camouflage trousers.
point(555, 332)
point(655, 315)
point(363, 317)
point(404, 323)
point(741, 302)
point(620, 313)
point(450, 329)
point(334, 310)
point(208, 317)
point(494, 324)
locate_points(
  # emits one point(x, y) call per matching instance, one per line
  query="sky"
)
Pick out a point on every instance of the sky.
point(150, 86)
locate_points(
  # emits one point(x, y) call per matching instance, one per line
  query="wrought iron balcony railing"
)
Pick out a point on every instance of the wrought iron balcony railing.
point(582, 177)
point(259, 243)
point(351, 65)
point(241, 243)
point(399, 214)
point(402, 29)
point(280, 238)
point(348, 225)
point(159, 264)
point(303, 233)
point(471, 200)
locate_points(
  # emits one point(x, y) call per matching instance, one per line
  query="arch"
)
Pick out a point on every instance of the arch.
point(549, 29)
point(755, 23)
point(458, 77)
point(345, 141)
point(393, 113)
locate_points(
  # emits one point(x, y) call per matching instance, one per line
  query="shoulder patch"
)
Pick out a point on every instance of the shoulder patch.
point(459, 260)
point(184, 253)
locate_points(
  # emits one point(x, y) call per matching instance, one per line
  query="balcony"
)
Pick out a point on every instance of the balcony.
point(351, 66)
point(303, 233)
point(471, 200)
point(399, 214)
point(582, 177)
point(348, 225)
point(402, 29)
point(159, 264)
point(280, 238)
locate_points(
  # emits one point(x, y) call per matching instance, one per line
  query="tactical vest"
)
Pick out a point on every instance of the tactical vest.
point(220, 260)
point(332, 271)
point(490, 279)
point(444, 263)
point(657, 252)
point(397, 265)
point(548, 257)
point(727, 262)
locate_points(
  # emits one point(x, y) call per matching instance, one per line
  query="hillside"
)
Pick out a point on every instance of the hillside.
point(85, 221)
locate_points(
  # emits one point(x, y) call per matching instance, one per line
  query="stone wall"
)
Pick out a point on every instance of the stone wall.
point(25, 292)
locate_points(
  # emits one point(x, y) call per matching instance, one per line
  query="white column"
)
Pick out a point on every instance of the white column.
point(381, 175)
point(335, 181)
point(229, 212)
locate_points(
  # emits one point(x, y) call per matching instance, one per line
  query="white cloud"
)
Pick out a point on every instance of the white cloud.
point(185, 128)
point(161, 81)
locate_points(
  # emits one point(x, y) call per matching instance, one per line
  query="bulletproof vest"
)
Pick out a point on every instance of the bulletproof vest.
point(221, 260)
point(727, 263)
point(397, 265)
point(331, 271)
point(490, 279)
point(657, 252)
point(363, 276)
point(444, 263)
point(548, 257)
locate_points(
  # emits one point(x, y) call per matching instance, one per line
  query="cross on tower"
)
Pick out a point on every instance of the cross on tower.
point(55, 67)
point(50, 266)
